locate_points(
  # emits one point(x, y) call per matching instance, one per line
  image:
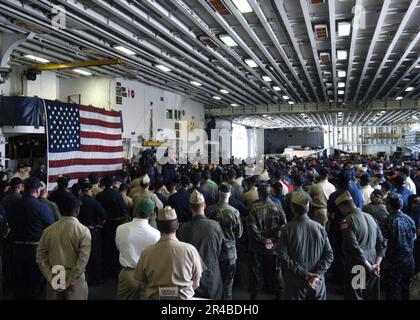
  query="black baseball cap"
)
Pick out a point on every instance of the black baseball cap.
point(85, 185)
point(378, 193)
point(15, 181)
point(69, 202)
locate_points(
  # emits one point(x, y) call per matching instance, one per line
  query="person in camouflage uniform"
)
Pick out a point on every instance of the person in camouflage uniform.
point(264, 222)
point(398, 265)
point(230, 222)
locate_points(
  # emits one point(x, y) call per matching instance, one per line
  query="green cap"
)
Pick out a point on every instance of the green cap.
point(146, 206)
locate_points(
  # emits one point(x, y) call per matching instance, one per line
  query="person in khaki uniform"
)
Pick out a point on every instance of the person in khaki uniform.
point(169, 262)
point(67, 243)
point(320, 192)
point(94, 180)
point(124, 189)
point(251, 195)
point(131, 239)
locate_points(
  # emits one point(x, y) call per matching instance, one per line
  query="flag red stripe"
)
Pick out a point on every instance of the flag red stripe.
point(96, 148)
point(100, 135)
point(101, 111)
point(77, 175)
point(83, 162)
point(96, 122)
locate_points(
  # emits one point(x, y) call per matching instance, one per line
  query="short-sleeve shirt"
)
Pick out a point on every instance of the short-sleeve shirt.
point(169, 263)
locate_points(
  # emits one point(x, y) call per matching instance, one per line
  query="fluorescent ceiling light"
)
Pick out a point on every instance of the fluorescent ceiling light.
point(341, 55)
point(266, 78)
point(162, 67)
point(234, 105)
point(340, 92)
point(251, 63)
point(242, 5)
point(285, 97)
point(341, 84)
point(217, 98)
point(125, 50)
point(224, 91)
point(349, 123)
point(227, 40)
point(36, 59)
point(276, 88)
point(341, 73)
point(398, 98)
point(409, 89)
point(344, 29)
point(195, 83)
point(83, 72)
point(291, 102)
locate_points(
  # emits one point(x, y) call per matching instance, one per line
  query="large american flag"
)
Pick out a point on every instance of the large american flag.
point(82, 139)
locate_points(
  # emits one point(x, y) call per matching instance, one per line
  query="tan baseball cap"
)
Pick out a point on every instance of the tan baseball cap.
point(166, 214)
point(196, 197)
point(299, 199)
point(346, 196)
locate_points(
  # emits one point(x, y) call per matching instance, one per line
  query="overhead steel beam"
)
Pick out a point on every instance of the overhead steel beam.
point(365, 115)
point(31, 49)
point(76, 64)
point(315, 107)
point(122, 73)
point(290, 33)
point(331, 13)
point(397, 66)
point(103, 32)
point(26, 16)
point(75, 5)
point(179, 4)
point(414, 83)
point(151, 80)
point(373, 41)
point(409, 69)
point(354, 31)
point(263, 49)
point(305, 11)
point(243, 45)
point(146, 18)
point(156, 7)
point(257, 9)
point(10, 42)
point(394, 41)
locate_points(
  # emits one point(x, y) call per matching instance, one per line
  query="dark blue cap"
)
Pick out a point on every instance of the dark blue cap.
point(32, 182)
point(69, 202)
